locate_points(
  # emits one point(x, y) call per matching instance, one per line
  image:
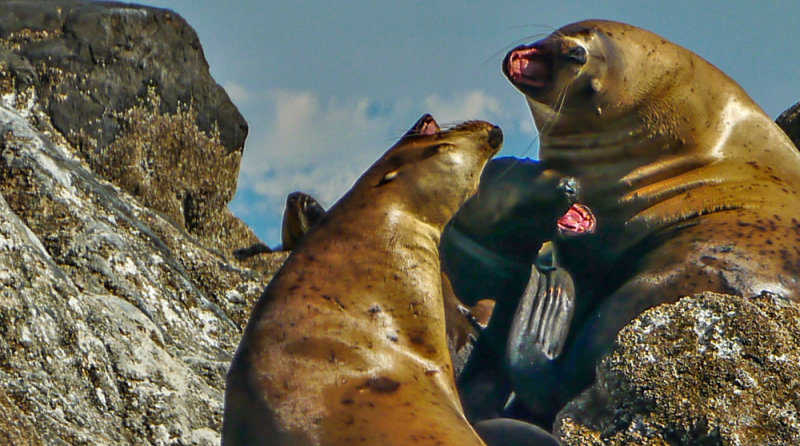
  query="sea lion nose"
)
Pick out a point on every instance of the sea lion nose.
point(495, 137)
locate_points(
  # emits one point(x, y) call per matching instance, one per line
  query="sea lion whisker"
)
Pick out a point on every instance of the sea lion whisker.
point(556, 108)
point(511, 45)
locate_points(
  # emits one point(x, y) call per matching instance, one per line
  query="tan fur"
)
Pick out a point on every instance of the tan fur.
point(347, 345)
point(693, 186)
point(676, 144)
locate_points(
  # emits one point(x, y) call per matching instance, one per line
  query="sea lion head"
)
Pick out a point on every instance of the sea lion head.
point(430, 172)
point(622, 109)
point(595, 72)
point(301, 213)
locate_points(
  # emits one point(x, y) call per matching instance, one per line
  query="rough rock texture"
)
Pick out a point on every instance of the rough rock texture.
point(710, 369)
point(124, 84)
point(789, 121)
point(120, 301)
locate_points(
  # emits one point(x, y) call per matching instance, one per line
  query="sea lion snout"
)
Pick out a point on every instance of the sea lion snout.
point(530, 65)
point(495, 138)
point(494, 135)
point(557, 69)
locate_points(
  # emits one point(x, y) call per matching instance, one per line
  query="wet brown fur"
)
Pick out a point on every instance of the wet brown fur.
point(347, 345)
point(694, 187)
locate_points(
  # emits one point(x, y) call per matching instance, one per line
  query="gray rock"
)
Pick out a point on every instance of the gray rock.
point(710, 369)
point(113, 79)
point(120, 301)
point(789, 121)
point(88, 61)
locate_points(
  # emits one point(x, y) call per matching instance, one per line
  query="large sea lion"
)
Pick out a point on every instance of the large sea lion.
point(693, 186)
point(347, 343)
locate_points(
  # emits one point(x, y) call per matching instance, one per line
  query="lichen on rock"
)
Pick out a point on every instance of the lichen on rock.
point(709, 369)
point(164, 160)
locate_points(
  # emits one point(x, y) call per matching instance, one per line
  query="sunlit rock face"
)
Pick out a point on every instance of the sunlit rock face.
point(709, 369)
point(121, 301)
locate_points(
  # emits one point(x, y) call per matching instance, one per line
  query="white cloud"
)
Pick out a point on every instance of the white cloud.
point(238, 93)
point(470, 105)
point(321, 146)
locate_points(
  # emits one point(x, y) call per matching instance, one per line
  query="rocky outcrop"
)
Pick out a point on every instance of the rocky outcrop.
point(708, 370)
point(129, 90)
point(789, 121)
point(121, 301)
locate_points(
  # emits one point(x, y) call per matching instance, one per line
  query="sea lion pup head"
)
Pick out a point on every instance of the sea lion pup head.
point(409, 177)
point(301, 213)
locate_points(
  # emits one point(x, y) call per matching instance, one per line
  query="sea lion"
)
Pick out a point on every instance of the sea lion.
point(693, 186)
point(496, 235)
point(301, 213)
point(491, 249)
point(347, 343)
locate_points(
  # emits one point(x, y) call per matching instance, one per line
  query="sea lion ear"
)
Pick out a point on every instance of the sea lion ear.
point(425, 125)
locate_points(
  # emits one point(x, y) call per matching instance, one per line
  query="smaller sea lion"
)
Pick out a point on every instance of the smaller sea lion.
point(489, 250)
point(491, 243)
point(347, 344)
point(301, 213)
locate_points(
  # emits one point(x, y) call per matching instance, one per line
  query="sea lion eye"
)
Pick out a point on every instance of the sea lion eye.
point(387, 178)
point(576, 54)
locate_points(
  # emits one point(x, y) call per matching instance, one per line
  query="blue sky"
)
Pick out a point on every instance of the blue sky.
point(326, 87)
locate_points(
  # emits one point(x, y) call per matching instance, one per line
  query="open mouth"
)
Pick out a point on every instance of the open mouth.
point(578, 220)
point(530, 65)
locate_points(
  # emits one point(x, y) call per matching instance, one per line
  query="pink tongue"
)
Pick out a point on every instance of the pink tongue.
point(522, 68)
point(578, 220)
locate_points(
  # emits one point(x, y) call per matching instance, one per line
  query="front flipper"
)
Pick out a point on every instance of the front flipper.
point(541, 324)
point(537, 337)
